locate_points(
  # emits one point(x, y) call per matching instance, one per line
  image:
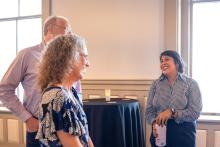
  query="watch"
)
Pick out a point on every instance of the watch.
point(173, 111)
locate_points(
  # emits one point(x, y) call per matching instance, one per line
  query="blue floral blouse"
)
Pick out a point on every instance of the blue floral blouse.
point(61, 111)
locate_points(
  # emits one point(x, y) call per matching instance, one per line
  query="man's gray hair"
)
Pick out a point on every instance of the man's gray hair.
point(51, 20)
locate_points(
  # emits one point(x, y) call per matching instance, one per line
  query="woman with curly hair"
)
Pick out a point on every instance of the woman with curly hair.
point(62, 120)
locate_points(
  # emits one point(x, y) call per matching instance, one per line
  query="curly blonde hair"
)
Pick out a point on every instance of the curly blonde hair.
point(61, 55)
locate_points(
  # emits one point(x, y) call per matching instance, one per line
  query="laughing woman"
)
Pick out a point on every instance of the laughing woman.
point(174, 100)
point(62, 121)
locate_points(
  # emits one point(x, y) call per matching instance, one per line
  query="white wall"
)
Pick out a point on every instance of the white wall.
point(125, 37)
point(170, 24)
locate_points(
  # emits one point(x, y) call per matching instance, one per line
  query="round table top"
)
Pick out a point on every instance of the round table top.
point(113, 101)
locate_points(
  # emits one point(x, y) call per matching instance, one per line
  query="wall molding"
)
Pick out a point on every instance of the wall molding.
point(119, 88)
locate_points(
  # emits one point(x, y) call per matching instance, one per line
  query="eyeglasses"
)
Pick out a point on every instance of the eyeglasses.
point(84, 56)
point(68, 30)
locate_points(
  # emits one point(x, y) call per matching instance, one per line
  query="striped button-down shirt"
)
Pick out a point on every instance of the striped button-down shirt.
point(184, 96)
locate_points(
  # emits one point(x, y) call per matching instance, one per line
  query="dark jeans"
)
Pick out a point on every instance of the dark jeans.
point(31, 141)
point(179, 135)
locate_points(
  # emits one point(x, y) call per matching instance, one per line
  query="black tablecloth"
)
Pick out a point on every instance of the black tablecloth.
point(114, 124)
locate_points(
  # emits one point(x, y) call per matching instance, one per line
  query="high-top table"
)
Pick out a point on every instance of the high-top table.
point(114, 124)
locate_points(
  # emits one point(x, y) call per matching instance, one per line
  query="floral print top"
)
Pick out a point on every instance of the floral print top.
point(61, 110)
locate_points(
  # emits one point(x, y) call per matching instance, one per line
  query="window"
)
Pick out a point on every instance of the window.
point(20, 27)
point(206, 51)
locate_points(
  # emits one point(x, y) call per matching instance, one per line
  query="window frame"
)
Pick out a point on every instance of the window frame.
point(186, 37)
point(45, 12)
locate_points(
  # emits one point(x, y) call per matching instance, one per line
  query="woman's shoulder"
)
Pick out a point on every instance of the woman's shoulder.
point(53, 93)
point(187, 78)
point(156, 81)
point(189, 81)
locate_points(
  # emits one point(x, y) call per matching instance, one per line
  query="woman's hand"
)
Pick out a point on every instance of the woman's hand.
point(90, 143)
point(163, 117)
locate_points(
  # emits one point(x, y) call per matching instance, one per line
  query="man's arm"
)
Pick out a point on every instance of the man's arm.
point(8, 85)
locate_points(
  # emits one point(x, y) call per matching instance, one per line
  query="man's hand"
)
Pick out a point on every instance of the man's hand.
point(32, 124)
